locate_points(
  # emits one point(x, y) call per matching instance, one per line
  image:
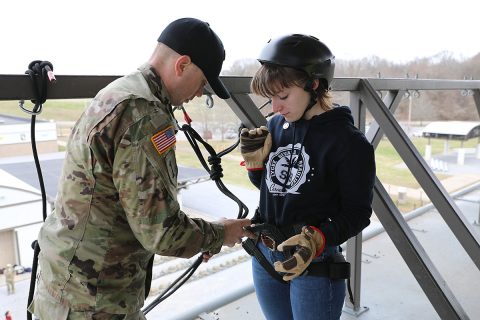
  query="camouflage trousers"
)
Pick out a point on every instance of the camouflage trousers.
point(10, 287)
point(45, 307)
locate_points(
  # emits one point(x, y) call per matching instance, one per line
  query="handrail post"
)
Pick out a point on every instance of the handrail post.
point(354, 245)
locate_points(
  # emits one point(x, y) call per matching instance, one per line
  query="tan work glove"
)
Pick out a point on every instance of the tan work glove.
point(255, 145)
point(308, 244)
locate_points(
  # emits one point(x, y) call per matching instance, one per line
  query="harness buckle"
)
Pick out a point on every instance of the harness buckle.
point(269, 242)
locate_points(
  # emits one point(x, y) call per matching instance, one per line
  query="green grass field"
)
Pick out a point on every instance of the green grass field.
point(58, 110)
point(388, 162)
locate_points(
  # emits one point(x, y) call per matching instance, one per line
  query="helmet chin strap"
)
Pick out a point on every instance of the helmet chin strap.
point(313, 97)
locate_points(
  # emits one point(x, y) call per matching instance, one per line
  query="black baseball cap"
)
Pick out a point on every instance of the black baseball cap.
point(195, 38)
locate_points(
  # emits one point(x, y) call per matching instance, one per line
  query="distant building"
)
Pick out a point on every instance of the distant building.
point(15, 136)
point(20, 219)
point(452, 130)
point(20, 203)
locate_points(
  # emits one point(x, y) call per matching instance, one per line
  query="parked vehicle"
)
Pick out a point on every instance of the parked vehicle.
point(230, 134)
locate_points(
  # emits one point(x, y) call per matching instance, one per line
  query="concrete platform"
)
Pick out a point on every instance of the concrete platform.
point(389, 290)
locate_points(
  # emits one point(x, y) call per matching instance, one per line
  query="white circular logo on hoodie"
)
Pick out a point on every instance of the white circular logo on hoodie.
point(278, 178)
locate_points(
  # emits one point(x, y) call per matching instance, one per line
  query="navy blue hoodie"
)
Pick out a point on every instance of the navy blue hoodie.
point(319, 172)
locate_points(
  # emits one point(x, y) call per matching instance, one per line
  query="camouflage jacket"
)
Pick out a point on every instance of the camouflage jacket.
point(117, 202)
point(9, 273)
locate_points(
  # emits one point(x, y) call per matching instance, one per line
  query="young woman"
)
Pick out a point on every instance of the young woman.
point(315, 171)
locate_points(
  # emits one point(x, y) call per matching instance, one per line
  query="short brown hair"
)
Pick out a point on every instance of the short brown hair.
point(271, 79)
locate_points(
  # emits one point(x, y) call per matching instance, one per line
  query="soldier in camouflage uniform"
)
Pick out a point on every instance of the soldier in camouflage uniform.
point(117, 204)
point(10, 278)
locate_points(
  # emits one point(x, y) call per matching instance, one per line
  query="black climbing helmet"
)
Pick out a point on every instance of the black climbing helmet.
point(301, 52)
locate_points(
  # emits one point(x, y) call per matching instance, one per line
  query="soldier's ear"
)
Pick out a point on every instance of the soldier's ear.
point(181, 64)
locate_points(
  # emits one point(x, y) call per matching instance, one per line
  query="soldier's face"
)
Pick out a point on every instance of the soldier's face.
point(191, 85)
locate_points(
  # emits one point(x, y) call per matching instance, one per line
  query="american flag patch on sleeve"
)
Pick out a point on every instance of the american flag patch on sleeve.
point(164, 140)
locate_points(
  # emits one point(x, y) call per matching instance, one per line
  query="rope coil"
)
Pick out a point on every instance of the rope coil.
point(40, 72)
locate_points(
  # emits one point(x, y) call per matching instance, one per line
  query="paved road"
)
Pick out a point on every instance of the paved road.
point(207, 198)
point(16, 303)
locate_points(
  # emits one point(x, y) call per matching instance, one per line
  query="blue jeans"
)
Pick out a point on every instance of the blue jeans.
point(303, 298)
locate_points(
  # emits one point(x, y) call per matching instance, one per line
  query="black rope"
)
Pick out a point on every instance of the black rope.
point(216, 173)
point(40, 73)
point(174, 286)
point(216, 170)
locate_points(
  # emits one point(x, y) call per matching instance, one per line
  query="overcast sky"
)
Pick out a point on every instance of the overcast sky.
point(115, 37)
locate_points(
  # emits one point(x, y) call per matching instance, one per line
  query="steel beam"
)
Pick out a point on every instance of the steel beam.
point(19, 87)
point(354, 256)
point(246, 110)
point(421, 84)
point(423, 269)
point(16, 87)
point(392, 100)
point(476, 99)
point(354, 245)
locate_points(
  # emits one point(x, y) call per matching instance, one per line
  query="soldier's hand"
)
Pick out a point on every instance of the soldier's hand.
point(206, 256)
point(308, 245)
point(234, 231)
point(249, 233)
point(255, 145)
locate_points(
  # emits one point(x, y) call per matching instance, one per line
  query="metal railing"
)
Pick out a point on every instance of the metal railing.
point(363, 96)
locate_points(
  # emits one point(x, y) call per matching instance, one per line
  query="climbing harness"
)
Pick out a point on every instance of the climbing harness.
point(334, 266)
point(40, 73)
